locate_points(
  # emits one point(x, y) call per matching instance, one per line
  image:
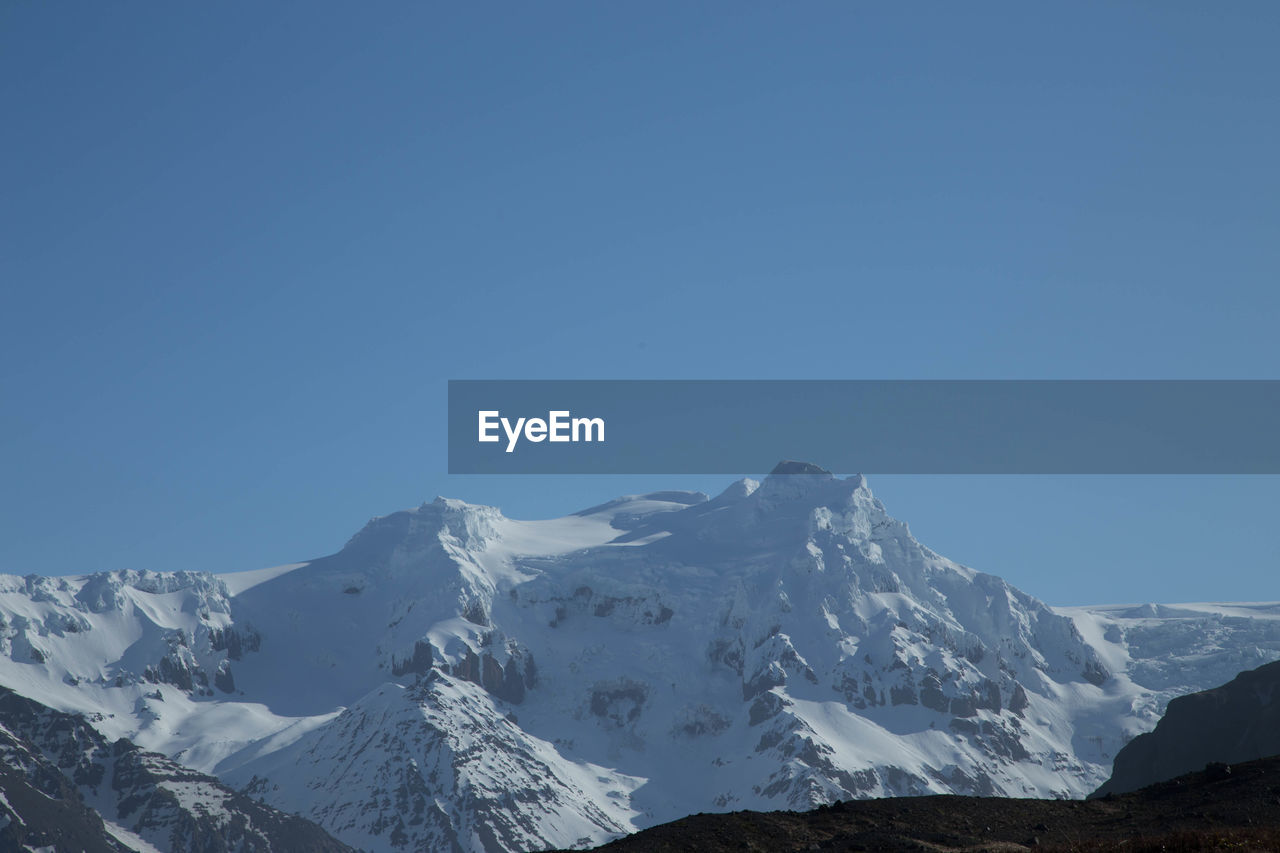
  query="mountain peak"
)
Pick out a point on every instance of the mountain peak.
point(794, 480)
point(789, 467)
point(422, 526)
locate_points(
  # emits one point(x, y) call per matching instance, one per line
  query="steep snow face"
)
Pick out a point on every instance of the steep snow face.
point(797, 643)
point(441, 768)
point(454, 678)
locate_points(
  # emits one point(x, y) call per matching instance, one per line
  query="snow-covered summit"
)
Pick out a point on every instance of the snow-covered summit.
point(464, 525)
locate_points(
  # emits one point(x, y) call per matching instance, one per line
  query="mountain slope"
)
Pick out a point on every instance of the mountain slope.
point(439, 768)
point(40, 808)
point(82, 779)
point(454, 677)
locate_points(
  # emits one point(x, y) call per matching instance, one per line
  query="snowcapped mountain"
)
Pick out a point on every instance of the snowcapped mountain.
point(454, 679)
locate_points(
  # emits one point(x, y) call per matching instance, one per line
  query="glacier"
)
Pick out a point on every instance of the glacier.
point(453, 679)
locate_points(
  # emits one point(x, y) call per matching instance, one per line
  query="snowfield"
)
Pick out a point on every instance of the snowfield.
point(454, 679)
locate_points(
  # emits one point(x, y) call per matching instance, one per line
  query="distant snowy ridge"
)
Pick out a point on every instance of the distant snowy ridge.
point(454, 679)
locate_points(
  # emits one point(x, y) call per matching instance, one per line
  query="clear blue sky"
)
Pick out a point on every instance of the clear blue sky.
point(244, 245)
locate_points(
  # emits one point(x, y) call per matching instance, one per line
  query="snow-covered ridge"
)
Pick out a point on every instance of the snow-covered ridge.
point(779, 645)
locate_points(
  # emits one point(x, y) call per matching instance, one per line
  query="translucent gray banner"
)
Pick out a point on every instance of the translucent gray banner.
point(868, 426)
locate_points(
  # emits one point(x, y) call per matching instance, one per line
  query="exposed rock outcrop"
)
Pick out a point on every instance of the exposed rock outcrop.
point(1238, 721)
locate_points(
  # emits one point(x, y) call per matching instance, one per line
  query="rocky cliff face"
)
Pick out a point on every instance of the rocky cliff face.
point(1237, 722)
point(141, 796)
point(40, 808)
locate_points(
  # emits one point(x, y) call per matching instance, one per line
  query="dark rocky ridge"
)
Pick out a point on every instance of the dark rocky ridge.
point(51, 761)
point(1238, 721)
point(41, 808)
point(1219, 808)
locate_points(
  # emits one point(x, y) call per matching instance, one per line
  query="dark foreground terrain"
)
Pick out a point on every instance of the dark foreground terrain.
point(1223, 807)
